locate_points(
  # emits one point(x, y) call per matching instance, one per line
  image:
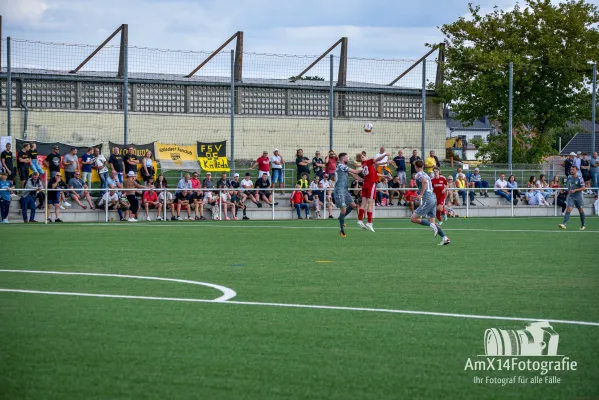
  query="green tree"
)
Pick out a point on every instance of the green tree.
point(496, 148)
point(551, 47)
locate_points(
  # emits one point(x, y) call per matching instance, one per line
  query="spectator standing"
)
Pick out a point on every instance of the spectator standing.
point(101, 166)
point(399, 161)
point(382, 166)
point(87, 164)
point(476, 181)
point(297, 203)
point(576, 161)
point(147, 167)
point(6, 188)
point(501, 189)
point(8, 163)
point(276, 162)
point(595, 171)
point(318, 165)
point(302, 163)
point(330, 161)
point(207, 183)
point(585, 169)
point(71, 164)
point(567, 164)
point(55, 195)
point(129, 187)
point(33, 153)
point(78, 190)
point(413, 159)
point(33, 186)
point(116, 163)
point(130, 160)
point(149, 201)
point(23, 163)
point(263, 164)
point(431, 162)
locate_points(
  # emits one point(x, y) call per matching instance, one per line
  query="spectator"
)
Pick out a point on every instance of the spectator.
point(501, 190)
point(23, 163)
point(302, 164)
point(165, 199)
point(263, 164)
point(185, 183)
point(476, 181)
point(532, 182)
point(555, 183)
point(400, 163)
point(195, 181)
point(55, 195)
point(543, 186)
point(356, 191)
point(197, 204)
point(113, 182)
point(116, 163)
point(382, 166)
point(33, 153)
point(52, 161)
point(110, 201)
point(413, 159)
point(182, 199)
point(431, 162)
point(461, 184)
point(411, 196)
point(327, 189)
point(238, 197)
point(207, 182)
point(595, 171)
point(101, 165)
point(297, 202)
point(596, 205)
point(535, 198)
point(318, 165)
point(147, 167)
point(131, 162)
point(310, 200)
point(452, 194)
point(382, 193)
point(303, 181)
point(224, 181)
point(226, 201)
point(512, 184)
point(78, 190)
point(87, 164)
point(577, 160)
point(149, 201)
point(585, 169)
point(276, 162)
point(8, 165)
point(247, 188)
point(6, 189)
point(567, 164)
point(129, 190)
point(71, 164)
point(562, 200)
point(395, 193)
point(263, 185)
point(212, 201)
point(33, 186)
point(330, 161)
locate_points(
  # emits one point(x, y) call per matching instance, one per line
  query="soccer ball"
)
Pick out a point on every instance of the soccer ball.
point(368, 127)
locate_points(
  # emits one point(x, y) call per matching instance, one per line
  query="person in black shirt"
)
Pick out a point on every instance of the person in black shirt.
point(567, 164)
point(302, 163)
point(224, 181)
point(131, 161)
point(395, 184)
point(8, 163)
point(52, 161)
point(318, 165)
point(116, 163)
point(33, 156)
point(23, 163)
point(412, 161)
point(262, 184)
point(182, 199)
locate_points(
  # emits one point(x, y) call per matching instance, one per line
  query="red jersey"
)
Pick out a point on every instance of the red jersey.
point(263, 163)
point(369, 171)
point(439, 184)
point(150, 197)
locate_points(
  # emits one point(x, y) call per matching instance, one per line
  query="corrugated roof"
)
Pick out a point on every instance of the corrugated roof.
point(580, 142)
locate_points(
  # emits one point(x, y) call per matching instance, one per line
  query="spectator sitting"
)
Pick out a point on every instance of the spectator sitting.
point(297, 202)
point(212, 201)
point(238, 197)
point(79, 190)
point(356, 190)
point(562, 200)
point(555, 183)
point(185, 183)
point(310, 199)
point(165, 200)
point(247, 188)
point(452, 195)
point(532, 182)
point(596, 205)
point(182, 199)
point(382, 193)
point(263, 184)
point(512, 184)
point(113, 181)
point(328, 193)
point(197, 204)
point(535, 198)
point(396, 193)
point(35, 166)
point(110, 200)
point(149, 200)
point(411, 196)
point(207, 182)
point(461, 184)
point(6, 189)
point(226, 202)
point(476, 181)
point(33, 186)
point(543, 186)
point(55, 195)
point(224, 181)
point(501, 189)
point(195, 181)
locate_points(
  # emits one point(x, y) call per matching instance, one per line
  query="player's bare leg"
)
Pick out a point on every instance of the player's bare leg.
point(369, 215)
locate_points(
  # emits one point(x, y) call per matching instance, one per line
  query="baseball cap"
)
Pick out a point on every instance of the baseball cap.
point(572, 154)
point(131, 173)
point(236, 174)
point(276, 150)
point(476, 169)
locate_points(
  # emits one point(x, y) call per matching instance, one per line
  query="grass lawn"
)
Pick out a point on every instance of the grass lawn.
point(259, 344)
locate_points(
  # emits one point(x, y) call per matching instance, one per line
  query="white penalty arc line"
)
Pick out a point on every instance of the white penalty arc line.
point(253, 303)
point(227, 292)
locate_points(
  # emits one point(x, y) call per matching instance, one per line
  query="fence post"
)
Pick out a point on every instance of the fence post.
point(233, 109)
point(510, 106)
point(126, 93)
point(512, 196)
point(331, 100)
point(423, 108)
point(8, 89)
point(594, 113)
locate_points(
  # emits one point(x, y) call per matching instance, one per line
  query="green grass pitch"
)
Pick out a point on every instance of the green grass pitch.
point(74, 347)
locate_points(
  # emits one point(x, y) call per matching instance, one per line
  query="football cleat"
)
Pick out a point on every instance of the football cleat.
point(342, 234)
point(562, 226)
point(582, 228)
point(370, 227)
point(445, 242)
point(361, 225)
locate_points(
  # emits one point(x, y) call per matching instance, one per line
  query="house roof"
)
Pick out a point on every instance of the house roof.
point(482, 123)
point(580, 142)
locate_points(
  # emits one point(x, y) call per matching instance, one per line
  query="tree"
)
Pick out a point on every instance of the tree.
point(551, 47)
point(495, 149)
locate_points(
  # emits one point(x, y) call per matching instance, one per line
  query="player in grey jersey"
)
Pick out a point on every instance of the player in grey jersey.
point(343, 199)
point(576, 187)
point(425, 213)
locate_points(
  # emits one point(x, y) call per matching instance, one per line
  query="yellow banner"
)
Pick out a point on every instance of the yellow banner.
point(175, 153)
point(213, 156)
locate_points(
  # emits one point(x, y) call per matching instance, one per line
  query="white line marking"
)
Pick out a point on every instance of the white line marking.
point(253, 303)
point(227, 293)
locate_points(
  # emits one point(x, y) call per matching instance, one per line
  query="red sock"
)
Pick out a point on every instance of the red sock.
point(369, 214)
point(360, 214)
point(438, 215)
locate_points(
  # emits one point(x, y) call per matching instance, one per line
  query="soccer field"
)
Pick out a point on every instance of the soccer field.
point(375, 315)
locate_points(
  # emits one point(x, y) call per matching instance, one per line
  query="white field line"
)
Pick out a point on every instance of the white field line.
point(227, 293)
point(253, 303)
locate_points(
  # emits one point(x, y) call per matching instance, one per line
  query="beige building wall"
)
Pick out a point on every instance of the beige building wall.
point(253, 134)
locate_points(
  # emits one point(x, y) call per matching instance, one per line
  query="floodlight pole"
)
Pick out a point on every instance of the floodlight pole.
point(423, 139)
point(510, 112)
point(594, 112)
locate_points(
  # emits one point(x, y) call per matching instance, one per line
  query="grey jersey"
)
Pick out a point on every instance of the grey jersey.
point(425, 190)
point(341, 177)
point(575, 182)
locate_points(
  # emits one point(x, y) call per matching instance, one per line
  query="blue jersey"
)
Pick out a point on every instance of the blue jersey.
point(4, 192)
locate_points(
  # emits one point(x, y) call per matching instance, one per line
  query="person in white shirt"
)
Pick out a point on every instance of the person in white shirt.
point(501, 189)
point(383, 163)
point(596, 205)
point(577, 160)
point(534, 198)
point(111, 200)
point(168, 204)
point(247, 187)
point(101, 165)
point(277, 162)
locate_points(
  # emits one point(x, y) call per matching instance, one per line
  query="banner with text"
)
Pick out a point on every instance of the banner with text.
point(176, 157)
point(213, 156)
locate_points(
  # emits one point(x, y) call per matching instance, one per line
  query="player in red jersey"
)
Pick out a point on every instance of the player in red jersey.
point(371, 178)
point(440, 189)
